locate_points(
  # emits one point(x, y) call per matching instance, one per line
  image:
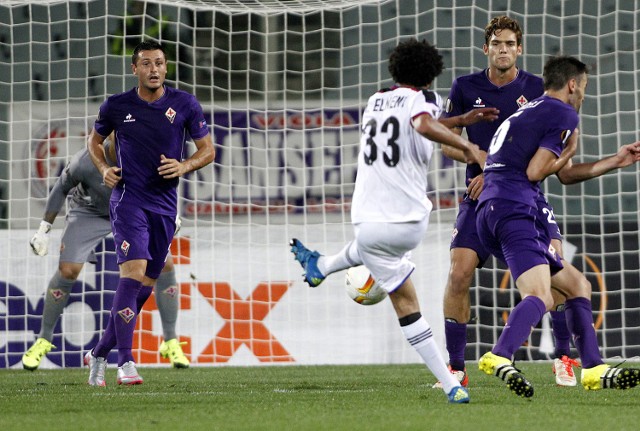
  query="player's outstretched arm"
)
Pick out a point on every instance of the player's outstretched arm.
point(574, 173)
point(459, 121)
point(545, 163)
point(471, 117)
point(456, 154)
point(205, 153)
point(435, 131)
point(453, 153)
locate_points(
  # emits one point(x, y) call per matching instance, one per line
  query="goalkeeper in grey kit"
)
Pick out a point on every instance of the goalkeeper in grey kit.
point(86, 224)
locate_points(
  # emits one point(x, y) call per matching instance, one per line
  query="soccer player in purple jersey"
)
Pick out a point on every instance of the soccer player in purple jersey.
point(506, 87)
point(533, 143)
point(86, 224)
point(151, 124)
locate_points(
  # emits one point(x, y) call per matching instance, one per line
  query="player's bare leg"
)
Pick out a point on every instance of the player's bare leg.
point(457, 309)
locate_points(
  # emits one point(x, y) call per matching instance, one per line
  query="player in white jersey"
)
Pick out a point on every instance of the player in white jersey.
point(390, 208)
point(397, 170)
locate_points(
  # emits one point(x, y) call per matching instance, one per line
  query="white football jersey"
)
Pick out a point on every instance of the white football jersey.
point(391, 183)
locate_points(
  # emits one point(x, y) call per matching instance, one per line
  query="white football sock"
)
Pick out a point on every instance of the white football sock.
point(346, 258)
point(420, 337)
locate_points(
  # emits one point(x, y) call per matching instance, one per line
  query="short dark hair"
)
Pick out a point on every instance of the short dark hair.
point(560, 70)
point(500, 23)
point(415, 63)
point(146, 45)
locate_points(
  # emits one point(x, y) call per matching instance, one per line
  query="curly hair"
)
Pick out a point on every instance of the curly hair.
point(499, 23)
point(415, 63)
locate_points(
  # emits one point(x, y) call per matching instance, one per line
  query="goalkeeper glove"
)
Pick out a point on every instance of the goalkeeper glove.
point(40, 241)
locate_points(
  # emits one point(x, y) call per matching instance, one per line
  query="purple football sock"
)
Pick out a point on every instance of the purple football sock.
point(561, 334)
point(107, 341)
point(523, 317)
point(143, 295)
point(124, 312)
point(456, 338)
point(580, 324)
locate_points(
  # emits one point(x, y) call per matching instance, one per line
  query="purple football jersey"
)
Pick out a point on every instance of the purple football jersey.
point(545, 122)
point(144, 132)
point(476, 91)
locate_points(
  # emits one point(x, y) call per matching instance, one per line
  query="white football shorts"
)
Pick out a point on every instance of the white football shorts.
point(385, 249)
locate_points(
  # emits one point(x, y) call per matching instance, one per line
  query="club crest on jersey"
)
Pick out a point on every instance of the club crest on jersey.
point(171, 291)
point(170, 114)
point(125, 247)
point(521, 101)
point(126, 314)
point(56, 294)
point(129, 119)
point(479, 103)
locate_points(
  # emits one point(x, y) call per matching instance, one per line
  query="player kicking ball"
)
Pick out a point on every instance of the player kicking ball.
point(390, 209)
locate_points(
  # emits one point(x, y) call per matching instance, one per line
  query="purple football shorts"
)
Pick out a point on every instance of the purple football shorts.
point(547, 219)
point(141, 234)
point(511, 233)
point(465, 233)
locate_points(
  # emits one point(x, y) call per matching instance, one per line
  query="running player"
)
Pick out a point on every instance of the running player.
point(151, 122)
point(86, 224)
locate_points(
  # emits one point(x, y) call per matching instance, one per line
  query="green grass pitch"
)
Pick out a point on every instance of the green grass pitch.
point(371, 397)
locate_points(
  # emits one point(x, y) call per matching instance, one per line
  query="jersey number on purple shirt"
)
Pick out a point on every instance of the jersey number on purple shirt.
point(498, 137)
